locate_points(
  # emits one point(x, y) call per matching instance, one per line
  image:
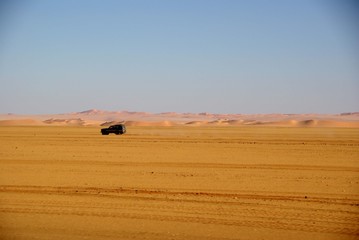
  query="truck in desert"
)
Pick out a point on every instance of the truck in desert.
point(116, 129)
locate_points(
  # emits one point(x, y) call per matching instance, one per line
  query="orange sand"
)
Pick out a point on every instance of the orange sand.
point(209, 182)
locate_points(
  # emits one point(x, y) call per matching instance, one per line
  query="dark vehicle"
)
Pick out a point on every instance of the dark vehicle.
point(116, 129)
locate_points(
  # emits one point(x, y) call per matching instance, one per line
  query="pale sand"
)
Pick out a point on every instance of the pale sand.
point(179, 183)
point(105, 118)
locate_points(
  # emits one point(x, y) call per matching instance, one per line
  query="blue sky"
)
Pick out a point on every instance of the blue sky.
point(226, 56)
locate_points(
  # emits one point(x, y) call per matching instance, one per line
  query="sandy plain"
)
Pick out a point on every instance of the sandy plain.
point(179, 182)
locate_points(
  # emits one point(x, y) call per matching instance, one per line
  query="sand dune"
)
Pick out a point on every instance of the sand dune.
point(96, 117)
point(313, 123)
point(20, 122)
point(327, 123)
point(143, 123)
point(235, 122)
point(65, 122)
point(196, 123)
point(107, 124)
point(289, 123)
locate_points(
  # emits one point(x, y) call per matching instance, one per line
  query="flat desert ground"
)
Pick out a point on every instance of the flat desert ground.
point(181, 182)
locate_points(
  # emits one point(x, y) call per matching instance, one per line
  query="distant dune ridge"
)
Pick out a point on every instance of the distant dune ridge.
point(95, 117)
point(19, 122)
point(61, 122)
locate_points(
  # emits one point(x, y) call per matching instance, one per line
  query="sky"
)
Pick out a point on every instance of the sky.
point(223, 56)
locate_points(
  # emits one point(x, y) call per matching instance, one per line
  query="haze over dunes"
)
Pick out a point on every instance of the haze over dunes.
point(96, 117)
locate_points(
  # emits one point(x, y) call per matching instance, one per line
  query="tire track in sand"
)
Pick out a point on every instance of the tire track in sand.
point(327, 198)
point(186, 165)
point(228, 209)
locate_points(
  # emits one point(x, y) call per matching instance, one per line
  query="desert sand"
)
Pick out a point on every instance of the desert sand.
point(94, 117)
point(179, 182)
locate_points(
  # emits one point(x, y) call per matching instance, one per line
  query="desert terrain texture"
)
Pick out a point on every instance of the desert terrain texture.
point(195, 181)
point(95, 117)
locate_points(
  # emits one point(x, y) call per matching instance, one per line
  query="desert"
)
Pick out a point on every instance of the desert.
point(165, 179)
point(181, 120)
point(96, 117)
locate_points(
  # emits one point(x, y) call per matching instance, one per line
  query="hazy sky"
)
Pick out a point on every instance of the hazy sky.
point(299, 56)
